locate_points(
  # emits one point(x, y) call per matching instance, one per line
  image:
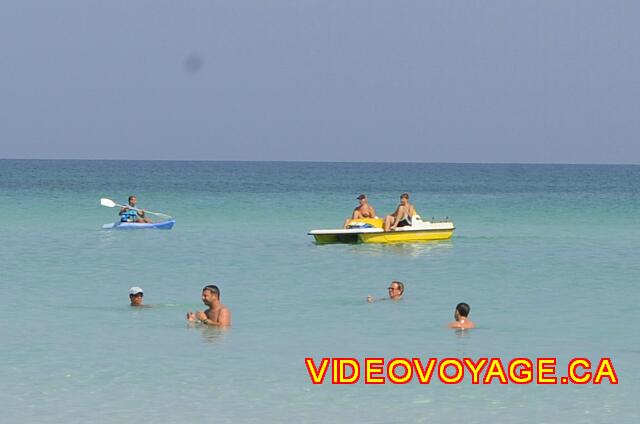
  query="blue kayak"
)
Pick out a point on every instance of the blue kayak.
point(162, 225)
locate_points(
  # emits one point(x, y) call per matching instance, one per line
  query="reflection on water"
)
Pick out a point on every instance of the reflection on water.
point(462, 333)
point(124, 307)
point(210, 334)
point(403, 249)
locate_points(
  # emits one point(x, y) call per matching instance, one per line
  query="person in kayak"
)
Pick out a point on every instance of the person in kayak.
point(217, 314)
point(132, 215)
point(402, 215)
point(461, 321)
point(363, 210)
point(396, 291)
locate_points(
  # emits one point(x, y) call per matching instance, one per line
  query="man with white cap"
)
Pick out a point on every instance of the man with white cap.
point(135, 296)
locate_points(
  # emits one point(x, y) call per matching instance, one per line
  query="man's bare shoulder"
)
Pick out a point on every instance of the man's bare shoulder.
point(224, 317)
point(224, 311)
point(461, 325)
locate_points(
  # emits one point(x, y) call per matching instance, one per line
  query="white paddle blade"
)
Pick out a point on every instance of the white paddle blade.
point(107, 202)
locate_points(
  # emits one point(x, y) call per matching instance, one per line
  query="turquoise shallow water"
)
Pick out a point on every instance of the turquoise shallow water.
point(547, 256)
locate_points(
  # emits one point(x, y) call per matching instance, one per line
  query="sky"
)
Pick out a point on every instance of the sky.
point(418, 81)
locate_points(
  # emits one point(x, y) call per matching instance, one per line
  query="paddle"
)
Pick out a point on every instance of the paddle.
point(111, 204)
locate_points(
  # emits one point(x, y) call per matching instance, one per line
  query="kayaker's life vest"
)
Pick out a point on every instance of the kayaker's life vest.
point(129, 216)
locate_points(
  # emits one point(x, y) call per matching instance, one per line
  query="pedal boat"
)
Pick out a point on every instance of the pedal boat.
point(370, 230)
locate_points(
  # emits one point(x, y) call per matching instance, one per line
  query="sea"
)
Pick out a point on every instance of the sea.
point(547, 256)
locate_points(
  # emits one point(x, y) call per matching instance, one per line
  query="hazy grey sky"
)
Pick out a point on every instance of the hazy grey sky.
point(433, 81)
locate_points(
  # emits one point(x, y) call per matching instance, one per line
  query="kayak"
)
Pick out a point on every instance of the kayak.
point(162, 225)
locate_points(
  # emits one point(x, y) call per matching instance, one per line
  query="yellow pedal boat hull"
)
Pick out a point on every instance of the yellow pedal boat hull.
point(371, 231)
point(406, 236)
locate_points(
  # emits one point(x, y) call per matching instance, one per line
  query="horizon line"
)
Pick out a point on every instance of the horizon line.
point(320, 161)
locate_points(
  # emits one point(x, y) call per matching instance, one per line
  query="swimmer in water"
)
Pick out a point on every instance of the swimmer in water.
point(461, 321)
point(217, 314)
point(396, 291)
point(135, 296)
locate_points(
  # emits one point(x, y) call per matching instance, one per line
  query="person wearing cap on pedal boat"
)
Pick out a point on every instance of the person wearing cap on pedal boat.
point(363, 210)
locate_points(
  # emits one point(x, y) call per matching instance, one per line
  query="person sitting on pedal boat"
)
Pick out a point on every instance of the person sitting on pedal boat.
point(402, 215)
point(363, 210)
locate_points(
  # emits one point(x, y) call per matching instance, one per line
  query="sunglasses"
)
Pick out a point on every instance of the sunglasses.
point(393, 288)
point(136, 295)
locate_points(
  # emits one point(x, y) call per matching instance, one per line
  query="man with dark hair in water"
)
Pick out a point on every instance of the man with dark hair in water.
point(217, 314)
point(461, 313)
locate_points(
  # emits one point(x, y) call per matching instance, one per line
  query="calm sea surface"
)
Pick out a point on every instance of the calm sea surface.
point(548, 257)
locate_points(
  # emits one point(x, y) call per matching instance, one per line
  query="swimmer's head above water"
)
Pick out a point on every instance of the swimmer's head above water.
point(135, 296)
point(396, 290)
point(209, 293)
point(462, 311)
point(461, 315)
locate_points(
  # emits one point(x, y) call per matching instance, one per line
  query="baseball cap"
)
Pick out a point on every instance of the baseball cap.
point(362, 196)
point(135, 290)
